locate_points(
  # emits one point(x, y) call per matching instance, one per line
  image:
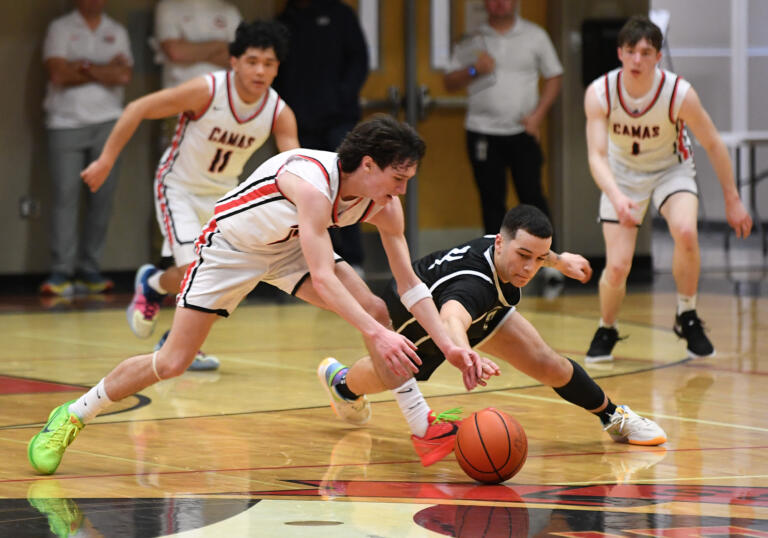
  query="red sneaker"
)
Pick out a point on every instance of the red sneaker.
point(440, 437)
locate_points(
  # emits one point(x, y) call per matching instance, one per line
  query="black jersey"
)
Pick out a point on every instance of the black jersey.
point(465, 274)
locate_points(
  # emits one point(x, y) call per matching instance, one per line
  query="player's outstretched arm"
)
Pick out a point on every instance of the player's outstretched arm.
point(397, 352)
point(597, 153)
point(414, 293)
point(192, 96)
point(286, 132)
point(573, 266)
point(458, 320)
point(693, 113)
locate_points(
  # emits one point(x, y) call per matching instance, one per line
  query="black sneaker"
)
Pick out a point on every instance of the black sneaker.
point(602, 345)
point(689, 326)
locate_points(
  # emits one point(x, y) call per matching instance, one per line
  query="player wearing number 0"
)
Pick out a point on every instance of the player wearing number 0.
point(224, 117)
point(639, 151)
point(274, 228)
point(476, 287)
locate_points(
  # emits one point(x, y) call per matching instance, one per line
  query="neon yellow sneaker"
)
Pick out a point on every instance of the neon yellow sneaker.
point(46, 449)
point(64, 516)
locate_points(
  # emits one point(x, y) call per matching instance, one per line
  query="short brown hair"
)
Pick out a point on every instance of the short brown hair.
point(386, 140)
point(639, 27)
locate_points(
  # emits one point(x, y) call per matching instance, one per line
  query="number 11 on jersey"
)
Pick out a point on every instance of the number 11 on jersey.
point(220, 161)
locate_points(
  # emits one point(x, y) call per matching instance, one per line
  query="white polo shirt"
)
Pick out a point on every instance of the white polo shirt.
point(69, 37)
point(196, 21)
point(499, 101)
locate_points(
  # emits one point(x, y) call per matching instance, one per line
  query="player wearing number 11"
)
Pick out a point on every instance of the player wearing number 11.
point(639, 151)
point(224, 117)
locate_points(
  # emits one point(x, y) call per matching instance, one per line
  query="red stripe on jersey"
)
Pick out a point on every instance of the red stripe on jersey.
point(232, 105)
point(607, 97)
point(672, 100)
point(318, 163)
point(274, 114)
point(367, 211)
point(261, 192)
point(335, 211)
point(650, 105)
point(210, 99)
point(165, 215)
point(175, 144)
point(681, 147)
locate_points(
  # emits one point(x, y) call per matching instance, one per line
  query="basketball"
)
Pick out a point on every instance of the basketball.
point(491, 446)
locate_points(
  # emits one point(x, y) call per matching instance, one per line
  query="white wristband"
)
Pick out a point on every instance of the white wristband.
point(414, 295)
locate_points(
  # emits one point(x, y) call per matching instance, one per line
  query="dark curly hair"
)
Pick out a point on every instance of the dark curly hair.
point(384, 139)
point(261, 35)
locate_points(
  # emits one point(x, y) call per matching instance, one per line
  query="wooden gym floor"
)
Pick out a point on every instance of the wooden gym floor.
point(254, 449)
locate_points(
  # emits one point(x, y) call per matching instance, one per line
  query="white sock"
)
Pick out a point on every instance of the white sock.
point(91, 403)
point(685, 303)
point(604, 324)
point(154, 282)
point(413, 406)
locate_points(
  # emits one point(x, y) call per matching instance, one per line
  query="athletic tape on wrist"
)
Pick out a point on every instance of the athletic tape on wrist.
point(414, 295)
point(154, 365)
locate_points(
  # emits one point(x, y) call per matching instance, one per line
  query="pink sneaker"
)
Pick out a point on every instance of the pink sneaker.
point(145, 306)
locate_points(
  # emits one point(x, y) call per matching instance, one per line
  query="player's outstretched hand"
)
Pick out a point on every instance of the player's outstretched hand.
point(624, 206)
point(575, 266)
point(397, 351)
point(95, 174)
point(738, 218)
point(475, 370)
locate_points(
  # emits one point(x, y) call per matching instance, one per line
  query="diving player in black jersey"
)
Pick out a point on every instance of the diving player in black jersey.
point(476, 286)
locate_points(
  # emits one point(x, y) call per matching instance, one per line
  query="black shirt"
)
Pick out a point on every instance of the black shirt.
point(465, 274)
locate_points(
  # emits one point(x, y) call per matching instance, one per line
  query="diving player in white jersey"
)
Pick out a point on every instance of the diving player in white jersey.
point(274, 228)
point(639, 151)
point(224, 117)
point(476, 287)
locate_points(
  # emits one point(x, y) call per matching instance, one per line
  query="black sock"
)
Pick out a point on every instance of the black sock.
point(605, 414)
point(343, 390)
point(581, 390)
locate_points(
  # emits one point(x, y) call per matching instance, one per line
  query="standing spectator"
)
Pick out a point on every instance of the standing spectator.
point(328, 49)
point(500, 66)
point(192, 37)
point(88, 60)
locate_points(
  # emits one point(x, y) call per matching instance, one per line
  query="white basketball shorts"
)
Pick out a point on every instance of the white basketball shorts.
point(221, 276)
point(181, 216)
point(641, 187)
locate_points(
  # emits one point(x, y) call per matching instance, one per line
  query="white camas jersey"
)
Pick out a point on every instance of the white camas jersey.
point(645, 134)
point(208, 152)
point(256, 216)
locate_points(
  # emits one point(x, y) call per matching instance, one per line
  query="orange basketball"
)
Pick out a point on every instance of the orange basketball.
point(491, 446)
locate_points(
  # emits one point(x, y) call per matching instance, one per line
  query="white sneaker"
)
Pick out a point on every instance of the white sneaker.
point(356, 412)
point(626, 426)
point(204, 362)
